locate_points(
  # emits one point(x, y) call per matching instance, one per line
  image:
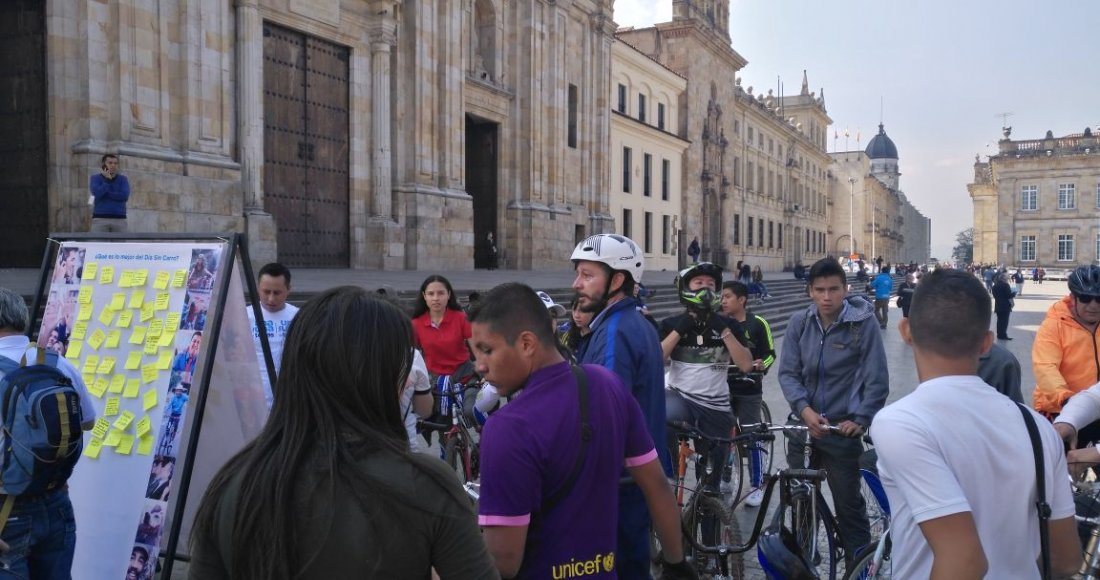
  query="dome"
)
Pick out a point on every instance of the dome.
point(881, 147)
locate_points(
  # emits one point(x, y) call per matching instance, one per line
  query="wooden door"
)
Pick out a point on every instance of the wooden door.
point(23, 123)
point(306, 158)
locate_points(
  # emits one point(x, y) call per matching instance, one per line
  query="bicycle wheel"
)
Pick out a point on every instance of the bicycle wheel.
point(769, 446)
point(456, 453)
point(733, 475)
point(711, 524)
point(867, 568)
point(815, 532)
point(878, 515)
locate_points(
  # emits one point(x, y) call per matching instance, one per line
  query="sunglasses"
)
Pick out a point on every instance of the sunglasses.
point(1083, 299)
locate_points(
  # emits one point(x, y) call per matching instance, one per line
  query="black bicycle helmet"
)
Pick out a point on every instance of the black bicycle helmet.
point(1085, 281)
point(780, 556)
point(702, 299)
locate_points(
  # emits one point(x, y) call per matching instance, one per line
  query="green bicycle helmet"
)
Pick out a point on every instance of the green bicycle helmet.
point(704, 298)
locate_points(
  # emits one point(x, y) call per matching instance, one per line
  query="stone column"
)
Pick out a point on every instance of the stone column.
point(382, 31)
point(250, 130)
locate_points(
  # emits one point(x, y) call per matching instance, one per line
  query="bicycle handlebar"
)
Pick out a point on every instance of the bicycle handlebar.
point(766, 427)
point(422, 424)
point(687, 430)
point(805, 474)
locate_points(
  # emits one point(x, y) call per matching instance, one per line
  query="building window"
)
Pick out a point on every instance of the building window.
point(666, 226)
point(737, 229)
point(628, 222)
point(779, 236)
point(760, 180)
point(736, 127)
point(572, 136)
point(641, 108)
point(779, 151)
point(737, 174)
point(808, 240)
point(760, 232)
point(1097, 260)
point(771, 145)
point(648, 232)
point(1066, 248)
point(750, 173)
point(748, 232)
point(771, 234)
point(750, 135)
point(647, 174)
point(622, 99)
point(1098, 198)
point(1067, 196)
point(666, 174)
point(1027, 248)
point(661, 116)
point(626, 170)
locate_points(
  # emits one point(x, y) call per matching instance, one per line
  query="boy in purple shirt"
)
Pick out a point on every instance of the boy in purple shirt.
point(544, 513)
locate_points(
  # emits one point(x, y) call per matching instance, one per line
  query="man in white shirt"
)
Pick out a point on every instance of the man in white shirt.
point(955, 456)
point(46, 549)
point(273, 283)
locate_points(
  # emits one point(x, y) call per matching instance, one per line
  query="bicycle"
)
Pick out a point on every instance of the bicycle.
point(457, 446)
point(874, 563)
point(1087, 499)
point(740, 458)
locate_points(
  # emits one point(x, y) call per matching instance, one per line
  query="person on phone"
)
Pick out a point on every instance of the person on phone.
point(110, 192)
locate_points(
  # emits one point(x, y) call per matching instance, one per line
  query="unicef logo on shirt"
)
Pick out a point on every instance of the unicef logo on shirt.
point(599, 564)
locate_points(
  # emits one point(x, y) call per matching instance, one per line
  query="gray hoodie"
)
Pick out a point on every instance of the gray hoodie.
point(840, 372)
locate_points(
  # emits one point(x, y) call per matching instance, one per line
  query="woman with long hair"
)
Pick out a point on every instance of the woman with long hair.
point(329, 488)
point(440, 326)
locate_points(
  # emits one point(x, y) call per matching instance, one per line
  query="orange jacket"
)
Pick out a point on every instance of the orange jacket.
point(1064, 358)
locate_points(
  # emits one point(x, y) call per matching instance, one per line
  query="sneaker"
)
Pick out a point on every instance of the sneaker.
point(755, 498)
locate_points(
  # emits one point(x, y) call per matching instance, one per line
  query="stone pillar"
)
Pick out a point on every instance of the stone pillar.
point(382, 36)
point(250, 131)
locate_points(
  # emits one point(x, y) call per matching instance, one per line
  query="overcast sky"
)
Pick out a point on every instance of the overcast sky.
point(944, 68)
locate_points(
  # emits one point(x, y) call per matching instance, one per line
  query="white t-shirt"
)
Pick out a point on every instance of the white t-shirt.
point(277, 324)
point(419, 383)
point(957, 445)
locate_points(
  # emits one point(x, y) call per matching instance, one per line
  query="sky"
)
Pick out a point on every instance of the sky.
point(944, 71)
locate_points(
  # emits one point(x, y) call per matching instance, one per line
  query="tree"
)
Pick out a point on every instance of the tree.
point(963, 252)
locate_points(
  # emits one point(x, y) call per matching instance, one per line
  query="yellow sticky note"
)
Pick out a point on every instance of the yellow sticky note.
point(167, 338)
point(97, 338)
point(85, 295)
point(80, 329)
point(113, 438)
point(146, 311)
point(113, 337)
point(125, 444)
point(88, 378)
point(172, 322)
point(101, 427)
point(124, 319)
point(144, 426)
point(133, 361)
point(124, 420)
point(150, 346)
point(73, 352)
point(156, 328)
point(162, 300)
point(94, 447)
point(90, 270)
point(137, 298)
point(161, 280)
point(85, 312)
point(132, 386)
point(149, 399)
point(117, 382)
point(90, 364)
point(138, 335)
point(145, 445)
point(139, 277)
point(165, 360)
point(106, 274)
point(106, 316)
point(112, 406)
point(118, 301)
point(178, 278)
point(126, 279)
point(149, 374)
point(99, 387)
point(106, 366)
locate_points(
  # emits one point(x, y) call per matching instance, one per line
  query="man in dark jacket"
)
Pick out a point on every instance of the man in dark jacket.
point(905, 294)
point(110, 192)
point(833, 371)
point(1002, 305)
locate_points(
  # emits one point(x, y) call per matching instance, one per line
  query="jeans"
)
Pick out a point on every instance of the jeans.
point(42, 534)
point(108, 225)
point(746, 407)
point(882, 311)
point(709, 422)
point(632, 553)
point(840, 457)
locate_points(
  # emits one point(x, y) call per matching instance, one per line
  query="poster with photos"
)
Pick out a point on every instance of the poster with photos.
point(117, 312)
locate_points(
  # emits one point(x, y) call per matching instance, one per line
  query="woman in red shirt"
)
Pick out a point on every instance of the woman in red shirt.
point(441, 327)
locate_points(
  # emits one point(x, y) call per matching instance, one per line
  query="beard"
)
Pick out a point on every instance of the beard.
point(595, 305)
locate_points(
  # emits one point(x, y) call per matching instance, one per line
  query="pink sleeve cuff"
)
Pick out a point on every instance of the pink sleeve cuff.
point(641, 459)
point(507, 521)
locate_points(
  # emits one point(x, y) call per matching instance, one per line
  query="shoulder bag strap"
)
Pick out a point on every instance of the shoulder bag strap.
point(585, 435)
point(1040, 484)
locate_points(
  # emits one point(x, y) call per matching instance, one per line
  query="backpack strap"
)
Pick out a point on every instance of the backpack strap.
point(586, 435)
point(5, 511)
point(8, 365)
point(1041, 488)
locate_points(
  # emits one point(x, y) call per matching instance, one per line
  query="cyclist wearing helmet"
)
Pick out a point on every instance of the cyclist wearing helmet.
point(607, 267)
point(700, 343)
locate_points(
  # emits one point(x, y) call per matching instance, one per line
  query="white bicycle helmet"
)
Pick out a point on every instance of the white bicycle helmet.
point(619, 253)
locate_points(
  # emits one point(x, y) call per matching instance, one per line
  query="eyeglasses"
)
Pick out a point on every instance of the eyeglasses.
point(1084, 299)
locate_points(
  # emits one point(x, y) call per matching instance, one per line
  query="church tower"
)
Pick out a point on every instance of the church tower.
point(884, 159)
point(713, 13)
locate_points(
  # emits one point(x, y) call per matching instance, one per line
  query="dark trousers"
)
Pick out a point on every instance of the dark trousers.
point(840, 456)
point(709, 422)
point(42, 534)
point(632, 553)
point(1002, 323)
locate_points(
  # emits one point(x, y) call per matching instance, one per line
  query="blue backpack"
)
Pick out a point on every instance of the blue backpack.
point(40, 417)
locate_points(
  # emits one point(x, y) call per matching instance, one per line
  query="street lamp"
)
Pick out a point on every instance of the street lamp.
point(852, 218)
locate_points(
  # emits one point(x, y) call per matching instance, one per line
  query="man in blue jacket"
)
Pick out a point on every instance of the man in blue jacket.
point(608, 266)
point(832, 369)
point(110, 192)
point(883, 285)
